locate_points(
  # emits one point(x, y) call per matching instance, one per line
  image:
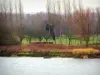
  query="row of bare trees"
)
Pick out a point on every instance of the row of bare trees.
point(66, 19)
point(11, 25)
point(83, 23)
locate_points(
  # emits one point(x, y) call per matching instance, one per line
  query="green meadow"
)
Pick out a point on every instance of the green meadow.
point(65, 40)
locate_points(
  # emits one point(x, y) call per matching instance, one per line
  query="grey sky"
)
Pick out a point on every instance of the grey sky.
point(33, 6)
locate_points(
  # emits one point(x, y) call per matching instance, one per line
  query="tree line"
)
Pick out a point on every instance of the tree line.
point(65, 16)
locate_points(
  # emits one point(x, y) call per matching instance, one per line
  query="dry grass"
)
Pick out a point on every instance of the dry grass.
point(85, 51)
point(52, 48)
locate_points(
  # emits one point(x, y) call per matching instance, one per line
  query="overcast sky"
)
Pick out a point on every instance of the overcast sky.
point(33, 6)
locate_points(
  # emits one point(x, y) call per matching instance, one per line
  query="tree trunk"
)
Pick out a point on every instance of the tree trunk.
point(87, 42)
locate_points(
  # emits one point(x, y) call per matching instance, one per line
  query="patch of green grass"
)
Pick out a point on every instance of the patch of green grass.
point(65, 40)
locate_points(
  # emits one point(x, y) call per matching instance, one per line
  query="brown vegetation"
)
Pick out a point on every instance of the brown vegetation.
point(52, 48)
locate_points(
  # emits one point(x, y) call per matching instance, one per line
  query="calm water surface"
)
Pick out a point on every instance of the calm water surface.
point(53, 66)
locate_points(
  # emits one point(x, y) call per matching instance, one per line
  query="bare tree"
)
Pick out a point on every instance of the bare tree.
point(60, 19)
point(20, 18)
point(4, 30)
point(51, 12)
point(82, 20)
point(65, 7)
point(97, 30)
point(69, 21)
point(6, 26)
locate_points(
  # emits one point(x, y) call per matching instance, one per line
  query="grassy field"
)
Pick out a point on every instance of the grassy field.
point(65, 40)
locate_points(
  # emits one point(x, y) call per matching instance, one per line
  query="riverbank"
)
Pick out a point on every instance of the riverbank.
point(49, 50)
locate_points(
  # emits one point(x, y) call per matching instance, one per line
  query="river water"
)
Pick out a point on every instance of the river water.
point(52, 66)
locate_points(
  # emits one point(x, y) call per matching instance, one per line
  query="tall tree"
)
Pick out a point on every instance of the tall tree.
point(97, 30)
point(82, 20)
point(21, 24)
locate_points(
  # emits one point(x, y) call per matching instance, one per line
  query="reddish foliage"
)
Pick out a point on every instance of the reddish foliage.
point(38, 47)
point(50, 46)
point(10, 49)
